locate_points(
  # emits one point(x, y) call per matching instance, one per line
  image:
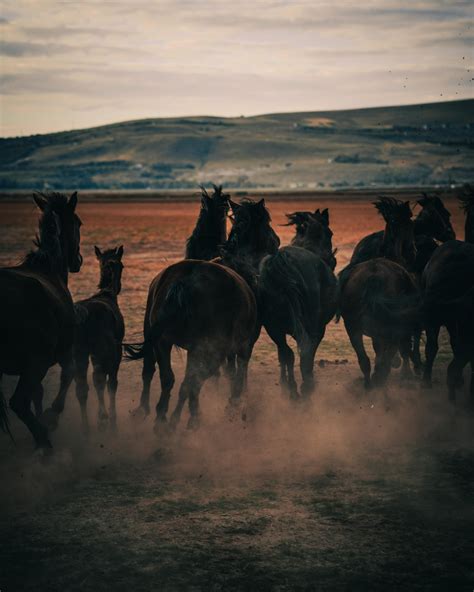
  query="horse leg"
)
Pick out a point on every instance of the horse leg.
point(307, 353)
point(163, 356)
point(239, 381)
point(286, 359)
point(471, 388)
point(415, 352)
point(455, 370)
point(99, 377)
point(195, 374)
point(20, 404)
point(207, 364)
point(82, 386)
point(405, 351)
point(148, 372)
point(384, 353)
point(37, 396)
point(112, 385)
point(431, 349)
point(355, 336)
point(50, 417)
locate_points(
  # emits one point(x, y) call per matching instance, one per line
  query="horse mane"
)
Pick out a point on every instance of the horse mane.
point(393, 210)
point(209, 231)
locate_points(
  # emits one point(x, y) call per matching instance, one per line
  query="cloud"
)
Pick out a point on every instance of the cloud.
point(142, 58)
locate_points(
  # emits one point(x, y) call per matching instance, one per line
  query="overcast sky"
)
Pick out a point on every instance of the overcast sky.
point(73, 64)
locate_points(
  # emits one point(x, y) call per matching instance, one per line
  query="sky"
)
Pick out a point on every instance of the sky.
point(75, 64)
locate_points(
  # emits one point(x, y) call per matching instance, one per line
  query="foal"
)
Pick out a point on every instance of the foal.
point(99, 335)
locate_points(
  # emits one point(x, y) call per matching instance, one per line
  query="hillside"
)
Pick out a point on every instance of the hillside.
point(391, 146)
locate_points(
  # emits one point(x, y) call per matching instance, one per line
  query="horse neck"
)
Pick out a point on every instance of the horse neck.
point(50, 257)
point(421, 225)
point(209, 227)
point(395, 245)
point(469, 227)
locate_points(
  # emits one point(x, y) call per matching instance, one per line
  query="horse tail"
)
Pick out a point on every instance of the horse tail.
point(176, 307)
point(282, 277)
point(4, 421)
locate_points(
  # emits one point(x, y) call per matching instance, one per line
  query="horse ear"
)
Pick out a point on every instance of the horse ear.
point(73, 201)
point(40, 201)
point(261, 203)
point(235, 207)
point(325, 216)
point(119, 251)
point(98, 252)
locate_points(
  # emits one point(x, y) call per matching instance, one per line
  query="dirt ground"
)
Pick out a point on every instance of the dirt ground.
point(350, 492)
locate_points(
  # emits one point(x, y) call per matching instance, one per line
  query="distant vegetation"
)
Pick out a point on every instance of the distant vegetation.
point(428, 144)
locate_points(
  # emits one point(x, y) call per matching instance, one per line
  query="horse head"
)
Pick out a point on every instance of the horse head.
point(111, 268)
point(434, 219)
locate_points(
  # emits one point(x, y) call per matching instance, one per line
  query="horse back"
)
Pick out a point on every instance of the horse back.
point(99, 318)
point(201, 300)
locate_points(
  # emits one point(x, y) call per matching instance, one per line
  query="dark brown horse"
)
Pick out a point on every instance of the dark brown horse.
point(298, 297)
point(251, 238)
point(99, 335)
point(37, 313)
point(380, 299)
point(209, 233)
point(431, 224)
point(448, 300)
point(206, 309)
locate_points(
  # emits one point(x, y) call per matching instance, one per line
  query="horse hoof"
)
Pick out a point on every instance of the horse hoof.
point(44, 452)
point(140, 413)
point(161, 426)
point(193, 423)
point(396, 361)
point(102, 425)
point(50, 419)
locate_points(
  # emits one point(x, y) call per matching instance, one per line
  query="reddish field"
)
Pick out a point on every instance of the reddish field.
point(342, 494)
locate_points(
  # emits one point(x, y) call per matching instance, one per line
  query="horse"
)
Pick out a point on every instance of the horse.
point(251, 237)
point(304, 229)
point(208, 310)
point(448, 299)
point(209, 233)
point(37, 314)
point(431, 224)
point(298, 296)
point(99, 334)
point(380, 299)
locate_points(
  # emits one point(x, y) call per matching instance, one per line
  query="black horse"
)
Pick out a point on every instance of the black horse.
point(431, 224)
point(206, 309)
point(448, 300)
point(298, 297)
point(209, 233)
point(99, 335)
point(251, 238)
point(380, 299)
point(37, 313)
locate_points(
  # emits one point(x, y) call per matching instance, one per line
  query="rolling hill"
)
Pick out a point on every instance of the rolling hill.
point(428, 144)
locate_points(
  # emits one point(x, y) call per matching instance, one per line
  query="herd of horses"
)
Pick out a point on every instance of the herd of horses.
point(410, 277)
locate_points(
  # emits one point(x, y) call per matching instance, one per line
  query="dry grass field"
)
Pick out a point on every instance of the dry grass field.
point(346, 493)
